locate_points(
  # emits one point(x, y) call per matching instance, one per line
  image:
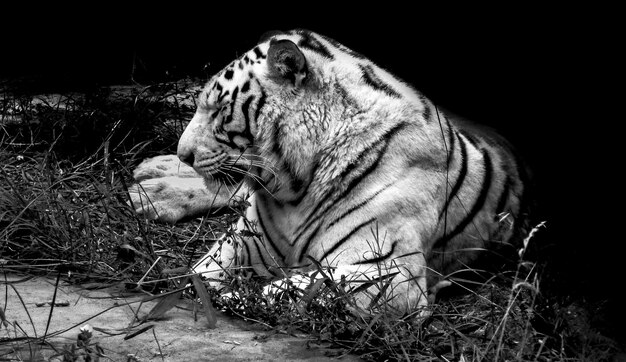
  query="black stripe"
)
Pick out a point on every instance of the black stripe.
point(427, 111)
point(314, 216)
point(263, 261)
point(258, 53)
point(357, 206)
point(383, 144)
point(245, 87)
point(373, 81)
point(345, 238)
point(308, 242)
point(304, 191)
point(229, 118)
point(470, 137)
point(276, 147)
point(229, 74)
point(379, 258)
point(451, 143)
point(245, 109)
point(504, 196)
point(260, 104)
point(256, 241)
point(298, 199)
point(512, 163)
point(226, 121)
point(296, 183)
point(222, 95)
point(478, 204)
point(309, 42)
point(450, 156)
point(231, 134)
point(227, 139)
point(460, 179)
point(377, 148)
point(233, 98)
point(277, 250)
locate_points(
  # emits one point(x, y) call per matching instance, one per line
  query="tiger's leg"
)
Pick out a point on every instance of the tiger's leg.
point(169, 190)
point(226, 257)
point(217, 265)
point(172, 198)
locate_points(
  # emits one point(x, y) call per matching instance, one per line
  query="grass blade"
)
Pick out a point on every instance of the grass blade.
point(166, 303)
point(209, 311)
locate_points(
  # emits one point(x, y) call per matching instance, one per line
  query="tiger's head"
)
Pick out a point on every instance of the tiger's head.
point(276, 111)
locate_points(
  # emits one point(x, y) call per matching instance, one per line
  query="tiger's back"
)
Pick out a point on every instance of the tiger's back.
point(350, 167)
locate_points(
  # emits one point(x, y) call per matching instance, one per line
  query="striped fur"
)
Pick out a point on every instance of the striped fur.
point(336, 149)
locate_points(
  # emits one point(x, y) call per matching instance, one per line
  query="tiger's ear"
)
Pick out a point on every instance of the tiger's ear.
point(286, 62)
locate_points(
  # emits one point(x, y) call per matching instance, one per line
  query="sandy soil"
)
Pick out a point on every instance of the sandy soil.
point(175, 337)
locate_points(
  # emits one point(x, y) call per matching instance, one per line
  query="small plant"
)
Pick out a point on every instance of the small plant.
point(83, 350)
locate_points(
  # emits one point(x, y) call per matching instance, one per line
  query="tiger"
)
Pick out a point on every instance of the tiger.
point(351, 168)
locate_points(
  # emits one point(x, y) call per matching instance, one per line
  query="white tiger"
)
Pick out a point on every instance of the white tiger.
point(348, 166)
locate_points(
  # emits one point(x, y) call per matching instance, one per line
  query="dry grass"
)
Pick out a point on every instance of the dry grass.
point(66, 165)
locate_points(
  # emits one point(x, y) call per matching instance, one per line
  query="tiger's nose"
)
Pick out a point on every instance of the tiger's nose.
point(185, 149)
point(187, 145)
point(187, 158)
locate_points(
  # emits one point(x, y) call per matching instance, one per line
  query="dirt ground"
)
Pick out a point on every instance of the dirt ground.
point(175, 337)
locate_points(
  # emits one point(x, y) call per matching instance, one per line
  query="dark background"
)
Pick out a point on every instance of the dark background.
point(537, 75)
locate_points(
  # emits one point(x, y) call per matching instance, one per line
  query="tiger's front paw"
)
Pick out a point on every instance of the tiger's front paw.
point(171, 198)
point(162, 166)
point(170, 191)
